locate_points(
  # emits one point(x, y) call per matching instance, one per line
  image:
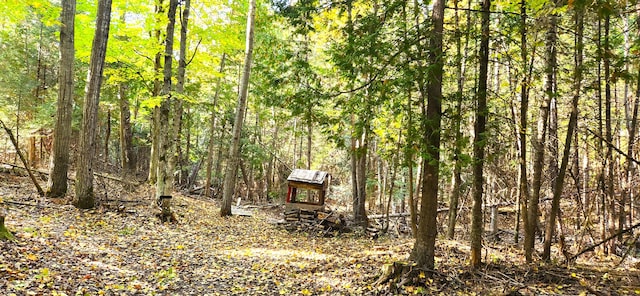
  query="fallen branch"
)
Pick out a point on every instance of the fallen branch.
point(26, 166)
point(73, 179)
point(602, 242)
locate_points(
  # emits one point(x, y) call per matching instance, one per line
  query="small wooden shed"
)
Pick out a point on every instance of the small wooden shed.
point(307, 189)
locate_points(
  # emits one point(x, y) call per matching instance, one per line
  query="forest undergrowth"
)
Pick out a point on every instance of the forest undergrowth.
point(121, 248)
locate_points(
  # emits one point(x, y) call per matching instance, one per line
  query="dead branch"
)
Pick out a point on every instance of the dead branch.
point(113, 178)
point(602, 242)
point(24, 162)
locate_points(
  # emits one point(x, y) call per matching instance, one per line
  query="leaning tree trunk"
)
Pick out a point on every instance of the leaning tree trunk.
point(479, 141)
point(84, 175)
point(59, 167)
point(234, 151)
point(423, 252)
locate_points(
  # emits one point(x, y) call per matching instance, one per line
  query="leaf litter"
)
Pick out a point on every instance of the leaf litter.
point(123, 249)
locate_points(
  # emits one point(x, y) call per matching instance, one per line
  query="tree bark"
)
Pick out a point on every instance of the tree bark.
point(609, 186)
point(163, 178)
point(573, 120)
point(59, 167)
point(85, 198)
point(127, 156)
point(424, 248)
point(175, 157)
point(539, 144)
point(523, 182)
point(479, 141)
point(157, 88)
point(214, 123)
point(234, 151)
point(457, 167)
point(107, 136)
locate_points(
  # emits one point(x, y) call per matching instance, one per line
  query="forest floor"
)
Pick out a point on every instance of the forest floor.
point(121, 248)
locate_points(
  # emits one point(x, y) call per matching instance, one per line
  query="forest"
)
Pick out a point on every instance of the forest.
point(466, 147)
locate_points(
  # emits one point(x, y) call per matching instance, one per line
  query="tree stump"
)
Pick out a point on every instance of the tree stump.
point(166, 215)
point(5, 234)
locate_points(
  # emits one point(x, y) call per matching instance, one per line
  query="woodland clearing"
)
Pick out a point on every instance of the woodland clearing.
point(120, 248)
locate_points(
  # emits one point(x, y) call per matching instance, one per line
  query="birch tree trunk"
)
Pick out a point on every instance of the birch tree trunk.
point(234, 150)
point(59, 167)
point(85, 198)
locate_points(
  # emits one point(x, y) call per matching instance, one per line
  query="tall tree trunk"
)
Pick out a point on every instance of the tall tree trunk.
point(573, 120)
point(107, 136)
point(479, 141)
point(214, 123)
point(127, 156)
point(523, 182)
point(175, 147)
point(424, 248)
point(84, 175)
point(457, 167)
point(234, 150)
point(163, 188)
point(57, 183)
point(630, 169)
point(609, 186)
point(539, 144)
point(157, 88)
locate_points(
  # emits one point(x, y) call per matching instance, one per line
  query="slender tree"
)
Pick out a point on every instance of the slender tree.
point(214, 123)
point(523, 182)
point(127, 156)
point(554, 212)
point(423, 252)
point(57, 183)
point(84, 175)
point(479, 141)
point(234, 150)
point(175, 158)
point(163, 180)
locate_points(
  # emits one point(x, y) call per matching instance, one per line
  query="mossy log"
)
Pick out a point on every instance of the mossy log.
point(5, 234)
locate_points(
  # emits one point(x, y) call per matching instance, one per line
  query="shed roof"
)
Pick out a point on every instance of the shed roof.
point(308, 176)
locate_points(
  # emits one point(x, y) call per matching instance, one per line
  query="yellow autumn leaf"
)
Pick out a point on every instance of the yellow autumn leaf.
point(32, 257)
point(305, 292)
